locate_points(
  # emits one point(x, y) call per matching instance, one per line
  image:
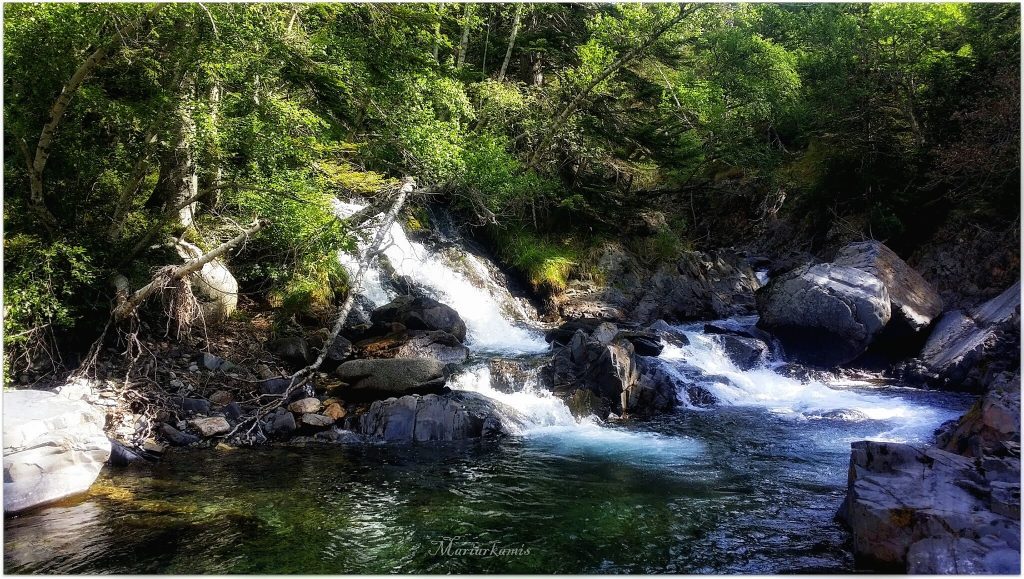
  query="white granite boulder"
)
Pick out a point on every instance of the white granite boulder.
point(53, 448)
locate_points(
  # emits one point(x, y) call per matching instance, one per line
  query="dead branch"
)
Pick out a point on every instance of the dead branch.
point(126, 308)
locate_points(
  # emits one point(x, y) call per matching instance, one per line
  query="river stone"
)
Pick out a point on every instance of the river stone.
point(191, 405)
point(283, 424)
point(291, 348)
point(339, 351)
point(452, 416)
point(906, 505)
point(177, 437)
point(221, 397)
point(212, 426)
point(53, 448)
point(382, 378)
point(304, 406)
point(421, 313)
point(965, 350)
point(824, 314)
point(335, 411)
point(415, 344)
point(914, 302)
point(316, 420)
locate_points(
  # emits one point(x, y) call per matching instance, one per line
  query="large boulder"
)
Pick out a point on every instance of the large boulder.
point(914, 302)
point(421, 313)
point(993, 421)
point(404, 343)
point(214, 285)
point(922, 510)
point(608, 367)
point(966, 349)
point(453, 416)
point(53, 448)
point(824, 314)
point(376, 379)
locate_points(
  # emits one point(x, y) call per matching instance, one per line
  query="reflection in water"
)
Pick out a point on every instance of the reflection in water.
point(740, 489)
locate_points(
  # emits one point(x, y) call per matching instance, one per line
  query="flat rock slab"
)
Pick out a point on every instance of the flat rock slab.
point(53, 448)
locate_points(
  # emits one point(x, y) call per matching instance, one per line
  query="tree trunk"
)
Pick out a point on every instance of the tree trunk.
point(37, 196)
point(437, 32)
point(180, 177)
point(464, 43)
point(511, 41)
point(124, 199)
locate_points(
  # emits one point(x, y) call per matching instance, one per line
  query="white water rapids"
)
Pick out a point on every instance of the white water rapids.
point(498, 324)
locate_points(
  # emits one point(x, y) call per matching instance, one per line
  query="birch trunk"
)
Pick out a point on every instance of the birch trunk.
point(511, 41)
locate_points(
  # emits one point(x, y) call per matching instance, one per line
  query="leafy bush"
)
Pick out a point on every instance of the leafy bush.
point(44, 285)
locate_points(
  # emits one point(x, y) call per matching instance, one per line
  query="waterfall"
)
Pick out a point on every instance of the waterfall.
point(496, 322)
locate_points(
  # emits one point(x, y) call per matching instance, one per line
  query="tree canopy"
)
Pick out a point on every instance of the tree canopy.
point(548, 125)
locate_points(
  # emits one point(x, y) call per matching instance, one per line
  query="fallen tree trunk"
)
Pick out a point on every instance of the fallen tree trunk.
point(128, 306)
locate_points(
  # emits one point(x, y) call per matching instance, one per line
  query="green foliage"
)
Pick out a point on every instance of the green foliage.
point(43, 285)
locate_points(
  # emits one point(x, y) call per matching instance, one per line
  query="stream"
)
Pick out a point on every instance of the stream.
point(749, 485)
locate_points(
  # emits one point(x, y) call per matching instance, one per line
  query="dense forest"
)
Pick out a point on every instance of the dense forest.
point(547, 128)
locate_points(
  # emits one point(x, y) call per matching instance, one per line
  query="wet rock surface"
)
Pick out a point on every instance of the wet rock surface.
point(449, 417)
point(824, 314)
point(927, 511)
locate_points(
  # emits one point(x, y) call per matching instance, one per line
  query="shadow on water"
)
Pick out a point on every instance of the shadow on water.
point(733, 490)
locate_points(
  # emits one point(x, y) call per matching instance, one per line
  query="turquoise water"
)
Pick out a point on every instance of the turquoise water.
point(730, 490)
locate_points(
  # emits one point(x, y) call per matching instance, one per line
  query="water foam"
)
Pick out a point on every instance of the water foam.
point(788, 397)
point(483, 305)
point(546, 422)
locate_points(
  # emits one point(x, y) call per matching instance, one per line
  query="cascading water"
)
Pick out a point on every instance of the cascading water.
point(485, 306)
point(787, 397)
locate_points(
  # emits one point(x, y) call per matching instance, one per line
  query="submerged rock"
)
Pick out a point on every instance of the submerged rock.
point(421, 313)
point(746, 353)
point(515, 375)
point(382, 378)
point(927, 511)
point(452, 416)
point(824, 314)
point(53, 448)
